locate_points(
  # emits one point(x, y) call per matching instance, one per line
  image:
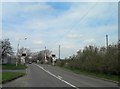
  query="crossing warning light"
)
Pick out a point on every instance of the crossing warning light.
point(24, 54)
point(53, 55)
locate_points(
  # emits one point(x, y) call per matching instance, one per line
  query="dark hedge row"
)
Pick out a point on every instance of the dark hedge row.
point(94, 59)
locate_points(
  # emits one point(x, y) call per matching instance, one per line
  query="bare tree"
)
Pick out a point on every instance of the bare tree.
point(41, 55)
point(5, 48)
point(26, 51)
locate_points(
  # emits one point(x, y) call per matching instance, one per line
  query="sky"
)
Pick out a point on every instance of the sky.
point(72, 25)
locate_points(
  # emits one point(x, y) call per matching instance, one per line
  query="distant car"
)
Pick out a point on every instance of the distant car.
point(34, 61)
point(30, 62)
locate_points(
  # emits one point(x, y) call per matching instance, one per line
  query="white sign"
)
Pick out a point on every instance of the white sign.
point(23, 59)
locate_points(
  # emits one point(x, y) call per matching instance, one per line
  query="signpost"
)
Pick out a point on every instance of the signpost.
point(23, 58)
point(17, 52)
point(53, 59)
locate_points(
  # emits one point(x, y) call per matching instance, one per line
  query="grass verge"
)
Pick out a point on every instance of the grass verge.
point(0, 77)
point(9, 76)
point(13, 67)
point(110, 77)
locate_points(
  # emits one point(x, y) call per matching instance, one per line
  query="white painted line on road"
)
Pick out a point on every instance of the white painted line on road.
point(58, 77)
point(41, 67)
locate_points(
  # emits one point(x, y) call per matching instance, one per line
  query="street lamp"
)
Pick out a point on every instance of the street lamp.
point(18, 50)
point(25, 38)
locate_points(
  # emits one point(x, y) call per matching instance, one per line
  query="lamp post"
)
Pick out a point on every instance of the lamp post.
point(45, 55)
point(18, 50)
point(59, 52)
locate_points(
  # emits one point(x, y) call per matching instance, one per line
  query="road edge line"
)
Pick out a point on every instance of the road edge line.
point(56, 77)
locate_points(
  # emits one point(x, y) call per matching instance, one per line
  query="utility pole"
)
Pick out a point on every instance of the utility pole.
point(45, 53)
point(107, 41)
point(59, 52)
point(17, 52)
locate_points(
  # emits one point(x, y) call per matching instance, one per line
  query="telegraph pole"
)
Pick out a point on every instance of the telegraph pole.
point(17, 51)
point(45, 48)
point(107, 41)
point(45, 53)
point(59, 52)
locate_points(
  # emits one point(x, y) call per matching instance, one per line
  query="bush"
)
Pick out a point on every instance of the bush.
point(94, 59)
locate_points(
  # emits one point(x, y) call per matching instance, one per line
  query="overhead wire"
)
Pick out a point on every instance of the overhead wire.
point(72, 28)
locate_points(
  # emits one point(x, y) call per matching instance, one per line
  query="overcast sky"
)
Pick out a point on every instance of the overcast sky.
point(73, 25)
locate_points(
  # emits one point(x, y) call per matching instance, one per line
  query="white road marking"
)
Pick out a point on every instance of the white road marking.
point(58, 77)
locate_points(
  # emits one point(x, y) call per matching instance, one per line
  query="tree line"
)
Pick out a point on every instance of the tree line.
point(95, 59)
point(91, 58)
point(6, 49)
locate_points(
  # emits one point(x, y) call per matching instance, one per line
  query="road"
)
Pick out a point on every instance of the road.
point(43, 75)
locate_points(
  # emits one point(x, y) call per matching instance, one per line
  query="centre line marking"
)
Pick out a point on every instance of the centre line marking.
point(58, 77)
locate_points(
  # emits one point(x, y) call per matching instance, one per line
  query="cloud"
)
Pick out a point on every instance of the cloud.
point(36, 7)
point(38, 42)
point(88, 41)
point(60, 1)
point(0, 21)
point(73, 28)
point(74, 36)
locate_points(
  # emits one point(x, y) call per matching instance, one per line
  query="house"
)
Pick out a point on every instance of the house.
point(8, 59)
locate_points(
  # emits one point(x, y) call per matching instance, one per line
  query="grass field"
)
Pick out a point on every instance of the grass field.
point(94, 74)
point(13, 67)
point(7, 76)
point(0, 77)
